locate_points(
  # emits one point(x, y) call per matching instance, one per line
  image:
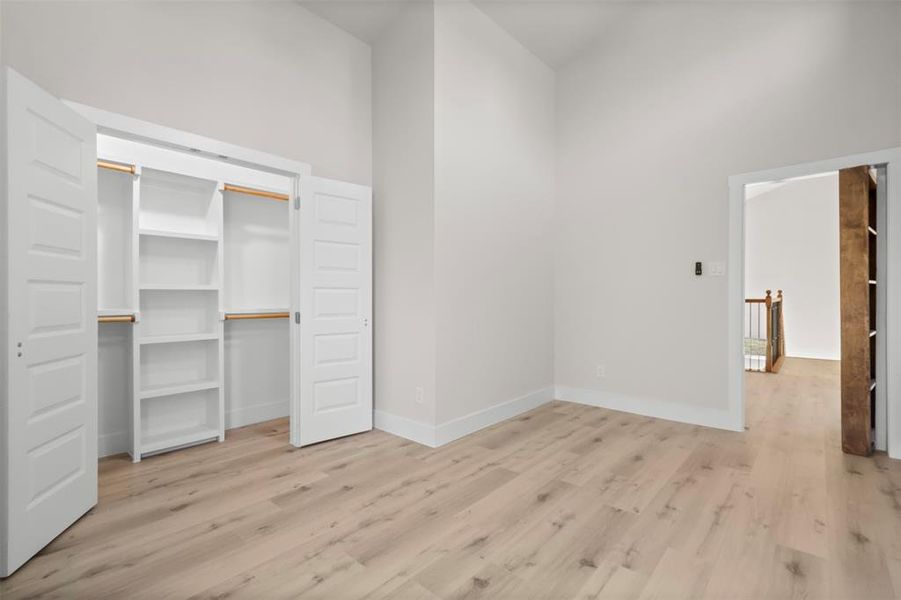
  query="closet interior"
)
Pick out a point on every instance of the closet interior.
point(193, 297)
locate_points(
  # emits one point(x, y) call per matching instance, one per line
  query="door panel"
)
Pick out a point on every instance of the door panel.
point(51, 348)
point(336, 313)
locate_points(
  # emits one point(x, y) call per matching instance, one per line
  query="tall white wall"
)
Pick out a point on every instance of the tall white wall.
point(792, 244)
point(404, 217)
point(266, 75)
point(494, 220)
point(651, 121)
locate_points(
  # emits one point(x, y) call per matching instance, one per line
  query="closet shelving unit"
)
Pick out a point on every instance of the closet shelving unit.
point(178, 342)
point(163, 268)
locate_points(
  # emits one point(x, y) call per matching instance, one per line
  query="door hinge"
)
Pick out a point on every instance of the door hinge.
point(297, 318)
point(297, 202)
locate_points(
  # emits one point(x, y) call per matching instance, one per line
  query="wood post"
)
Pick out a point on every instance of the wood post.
point(854, 185)
point(769, 331)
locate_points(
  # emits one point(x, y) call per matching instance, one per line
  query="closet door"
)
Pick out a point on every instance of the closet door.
point(49, 424)
point(335, 356)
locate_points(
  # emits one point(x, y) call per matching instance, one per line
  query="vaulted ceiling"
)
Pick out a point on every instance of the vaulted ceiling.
point(553, 30)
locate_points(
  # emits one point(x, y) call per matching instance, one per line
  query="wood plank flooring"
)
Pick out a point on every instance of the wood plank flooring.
point(566, 501)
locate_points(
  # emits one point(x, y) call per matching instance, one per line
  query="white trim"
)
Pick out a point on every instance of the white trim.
point(649, 407)
point(881, 315)
point(462, 426)
point(109, 444)
point(892, 158)
point(416, 431)
point(251, 415)
point(439, 435)
point(135, 129)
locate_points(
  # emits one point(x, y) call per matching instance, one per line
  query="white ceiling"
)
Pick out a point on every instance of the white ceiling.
point(553, 30)
point(363, 19)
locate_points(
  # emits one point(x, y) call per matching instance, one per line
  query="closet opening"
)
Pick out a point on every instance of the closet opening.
point(193, 298)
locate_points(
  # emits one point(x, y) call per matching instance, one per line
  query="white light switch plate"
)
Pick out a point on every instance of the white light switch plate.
point(717, 269)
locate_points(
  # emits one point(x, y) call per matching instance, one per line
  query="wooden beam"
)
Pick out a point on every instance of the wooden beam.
point(854, 234)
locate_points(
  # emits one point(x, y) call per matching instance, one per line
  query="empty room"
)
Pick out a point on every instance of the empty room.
point(436, 299)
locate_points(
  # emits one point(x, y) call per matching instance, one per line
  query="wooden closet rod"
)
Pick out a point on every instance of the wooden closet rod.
point(241, 316)
point(228, 187)
point(105, 164)
point(116, 319)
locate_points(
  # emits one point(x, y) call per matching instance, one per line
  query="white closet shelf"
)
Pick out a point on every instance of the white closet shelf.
point(251, 311)
point(174, 287)
point(179, 337)
point(183, 388)
point(113, 312)
point(180, 235)
point(169, 440)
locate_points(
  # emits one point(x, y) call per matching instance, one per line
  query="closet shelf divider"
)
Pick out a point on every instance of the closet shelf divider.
point(174, 287)
point(167, 441)
point(180, 337)
point(171, 390)
point(179, 235)
point(114, 312)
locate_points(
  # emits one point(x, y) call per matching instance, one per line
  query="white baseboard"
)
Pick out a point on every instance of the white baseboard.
point(438, 435)
point(649, 407)
point(416, 431)
point(250, 415)
point(109, 444)
point(462, 426)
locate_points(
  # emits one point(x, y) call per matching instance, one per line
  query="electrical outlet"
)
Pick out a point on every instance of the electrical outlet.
point(420, 395)
point(601, 371)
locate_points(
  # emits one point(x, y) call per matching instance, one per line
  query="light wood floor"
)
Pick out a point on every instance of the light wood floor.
point(566, 501)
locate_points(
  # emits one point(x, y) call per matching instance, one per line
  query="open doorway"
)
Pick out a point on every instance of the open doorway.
point(813, 308)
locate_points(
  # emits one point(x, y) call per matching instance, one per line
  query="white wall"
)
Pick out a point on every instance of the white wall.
point(463, 187)
point(494, 217)
point(266, 75)
point(404, 217)
point(257, 371)
point(113, 387)
point(651, 121)
point(792, 244)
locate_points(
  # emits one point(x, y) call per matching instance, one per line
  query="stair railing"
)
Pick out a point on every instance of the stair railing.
point(765, 337)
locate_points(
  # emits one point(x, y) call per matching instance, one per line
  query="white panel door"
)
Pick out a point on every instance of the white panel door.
point(50, 424)
point(335, 371)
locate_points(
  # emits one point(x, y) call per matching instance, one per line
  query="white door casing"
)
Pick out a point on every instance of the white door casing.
point(49, 445)
point(335, 300)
